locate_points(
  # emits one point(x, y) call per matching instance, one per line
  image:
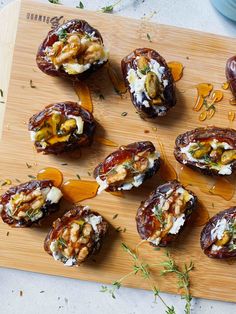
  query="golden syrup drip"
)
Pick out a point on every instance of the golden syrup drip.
point(52, 174)
point(117, 193)
point(231, 116)
point(78, 190)
point(202, 116)
point(216, 96)
point(105, 141)
point(167, 171)
point(232, 101)
point(203, 90)
point(200, 216)
point(223, 188)
point(176, 69)
point(83, 92)
point(210, 113)
point(225, 85)
point(190, 177)
point(116, 81)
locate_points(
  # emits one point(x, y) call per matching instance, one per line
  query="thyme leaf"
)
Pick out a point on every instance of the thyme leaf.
point(115, 216)
point(62, 242)
point(31, 84)
point(78, 176)
point(159, 215)
point(149, 37)
point(31, 176)
point(1, 92)
point(80, 6)
point(54, 1)
point(110, 8)
point(62, 34)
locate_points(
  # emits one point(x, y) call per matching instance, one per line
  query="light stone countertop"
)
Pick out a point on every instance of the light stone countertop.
point(49, 294)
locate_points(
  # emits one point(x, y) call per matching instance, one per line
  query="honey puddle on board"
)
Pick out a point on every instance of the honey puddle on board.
point(78, 190)
point(200, 216)
point(176, 69)
point(83, 92)
point(203, 90)
point(52, 174)
point(167, 171)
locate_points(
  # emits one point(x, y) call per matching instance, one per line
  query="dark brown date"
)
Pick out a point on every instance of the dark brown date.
point(72, 50)
point(61, 127)
point(230, 72)
point(165, 212)
point(127, 167)
point(29, 202)
point(76, 236)
point(150, 82)
point(218, 237)
point(211, 150)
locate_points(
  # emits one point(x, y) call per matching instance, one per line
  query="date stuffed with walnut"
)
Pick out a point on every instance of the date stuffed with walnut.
point(76, 236)
point(149, 81)
point(230, 72)
point(211, 150)
point(127, 167)
point(164, 213)
point(72, 50)
point(61, 127)
point(27, 203)
point(218, 237)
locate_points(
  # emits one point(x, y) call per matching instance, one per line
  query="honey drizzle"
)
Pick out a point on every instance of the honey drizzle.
point(223, 188)
point(203, 116)
point(117, 82)
point(167, 171)
point(78, 190)
point(117, 193)
point(225, 85)
point(231, 116)
point(176, 69)
point(105, 141)
point(203, 90)
point(52, 174)
point(83, 92)
point(216, 96)
point(200, 216)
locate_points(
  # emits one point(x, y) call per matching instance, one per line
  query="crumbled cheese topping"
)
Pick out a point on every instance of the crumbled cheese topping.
point(218, 231)
point(178, 223)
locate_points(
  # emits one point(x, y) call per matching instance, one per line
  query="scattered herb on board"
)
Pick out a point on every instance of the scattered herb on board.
point(54, 1)
point(89, 173)
point(21, 293)
point(118, 229)
point(149, 37)
point(64, 164)
point(31, 176)
point(28, 165)
point(143, 269)
point(8, 233)
point(124, 114)
point(42, 291)
point(1, 92)
point(78, 176)
point(80, 6)
point(110, 8)
point(115, 216)
point(31, 84)
point(101, 96)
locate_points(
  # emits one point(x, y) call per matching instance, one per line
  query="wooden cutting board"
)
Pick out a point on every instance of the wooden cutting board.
point(23, 26)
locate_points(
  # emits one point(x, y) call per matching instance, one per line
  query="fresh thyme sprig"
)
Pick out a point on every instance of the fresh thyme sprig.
point(170, 266)
point(143, 269)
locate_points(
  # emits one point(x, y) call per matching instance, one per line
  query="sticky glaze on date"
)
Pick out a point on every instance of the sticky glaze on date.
point(162, 216)
point(218, 237)
point(61, 127)
point(149, 81)
point(29, 202)
point(76, 236)
point(230, 72)
point(72, 50)
point(211, 150)
point(127, 167)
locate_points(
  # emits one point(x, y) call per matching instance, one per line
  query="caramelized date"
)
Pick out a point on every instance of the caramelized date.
point(61, 127)
point(72, 50)
point(218, 237)
point(76, 236)
point(162, 216)
point(29, 202)
point(230, 72)
point(149, 81)
point(211, 150)
point(127, 167)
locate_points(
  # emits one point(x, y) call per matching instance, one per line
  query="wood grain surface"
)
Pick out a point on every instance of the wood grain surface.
point(203, 56)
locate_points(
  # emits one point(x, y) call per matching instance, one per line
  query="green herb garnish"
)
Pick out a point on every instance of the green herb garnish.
point(1, 92)
point(62, 34)
point(159, 215)
point(62, 242)
point(54, 1)
point(149, 37)
point(80, 6)
point(115, 216)
point(28, 165)
point(110, 8)
point(124, 114)
point(31, 176)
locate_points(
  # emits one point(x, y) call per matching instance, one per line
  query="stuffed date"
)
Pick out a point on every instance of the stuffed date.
point(211, 150)
point(61, 127)
point(29, 202)
point(76, 236)
point(149, 81)
point(162, 216)
point(72, 50)
point(230, 72)
point(127, 167)
point(218, 237)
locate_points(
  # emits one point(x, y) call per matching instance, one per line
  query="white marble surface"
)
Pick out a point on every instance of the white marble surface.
point(49, 294)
